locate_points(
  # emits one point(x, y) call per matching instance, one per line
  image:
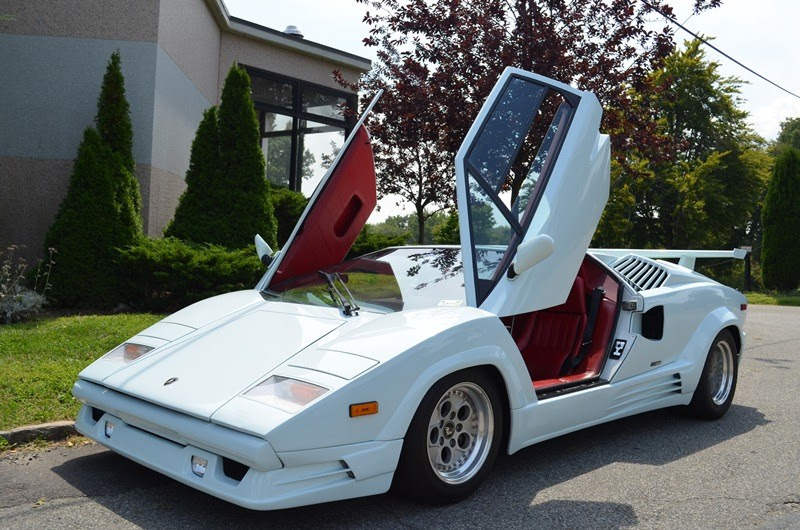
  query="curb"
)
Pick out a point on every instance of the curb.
point(53, 431)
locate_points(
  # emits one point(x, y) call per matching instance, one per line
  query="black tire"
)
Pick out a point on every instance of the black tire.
point(471, 457)
point(711, 400)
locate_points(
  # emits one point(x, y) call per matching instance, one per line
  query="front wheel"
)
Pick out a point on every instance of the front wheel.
point(453, 439)
point(714, 393)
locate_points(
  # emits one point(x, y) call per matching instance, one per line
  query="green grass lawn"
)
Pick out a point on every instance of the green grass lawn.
point(792, 298)
point(40, 360)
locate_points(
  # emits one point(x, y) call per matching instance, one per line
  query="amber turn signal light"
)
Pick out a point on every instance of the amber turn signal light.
point(363, 409)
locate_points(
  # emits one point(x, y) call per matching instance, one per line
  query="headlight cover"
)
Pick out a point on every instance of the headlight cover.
point(127, 352)
point(285, 393)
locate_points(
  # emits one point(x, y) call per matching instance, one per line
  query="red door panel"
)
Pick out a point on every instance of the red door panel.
point(337, 215)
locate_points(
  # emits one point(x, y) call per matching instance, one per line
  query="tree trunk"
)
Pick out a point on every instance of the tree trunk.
point(420, 225)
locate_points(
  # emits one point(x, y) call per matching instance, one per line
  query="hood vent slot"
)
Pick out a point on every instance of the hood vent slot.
point(641, 273)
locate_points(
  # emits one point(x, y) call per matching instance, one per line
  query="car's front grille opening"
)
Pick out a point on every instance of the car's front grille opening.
point(97, 414)
point(233, 469)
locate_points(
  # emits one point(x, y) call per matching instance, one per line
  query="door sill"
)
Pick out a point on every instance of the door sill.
point(569, 388)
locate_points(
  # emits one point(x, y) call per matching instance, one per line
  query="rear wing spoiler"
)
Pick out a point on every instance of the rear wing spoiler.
point(686, 257)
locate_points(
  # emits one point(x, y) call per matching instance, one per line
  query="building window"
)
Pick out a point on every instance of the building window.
point(302, 128)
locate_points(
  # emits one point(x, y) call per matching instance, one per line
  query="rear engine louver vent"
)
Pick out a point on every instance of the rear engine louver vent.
point(641, 273)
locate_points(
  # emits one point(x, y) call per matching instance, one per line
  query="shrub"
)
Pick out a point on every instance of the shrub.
point(227, 168)
point(780, 251)
point(95, 219)
point(167, 274)
point(367, 242)
point(17, 301)
point(289, 206)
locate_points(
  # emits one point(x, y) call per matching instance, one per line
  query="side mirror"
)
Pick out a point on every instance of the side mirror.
point(530, 253)
point(263, 250)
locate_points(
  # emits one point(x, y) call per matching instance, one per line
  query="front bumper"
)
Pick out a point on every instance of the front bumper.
point(273, 481)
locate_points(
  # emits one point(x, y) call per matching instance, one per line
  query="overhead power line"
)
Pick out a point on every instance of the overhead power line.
point(704, 41)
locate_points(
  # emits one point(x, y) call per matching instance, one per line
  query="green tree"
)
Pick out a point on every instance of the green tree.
point(448, 233)
point(790, 133)
point(781, 219)
point(96, 218)
point(113, 117)
point(368, 241)
point(702, 185)
point(227, 168)
point(113, 122)
point(245, 209)
point(191, 222)
point(408, 227)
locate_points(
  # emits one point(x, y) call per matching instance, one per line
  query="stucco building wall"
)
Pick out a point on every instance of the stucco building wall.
point(175, 55)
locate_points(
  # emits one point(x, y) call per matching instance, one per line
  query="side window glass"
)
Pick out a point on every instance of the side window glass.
point(496, 147)
point(507, 167)
point(491, 233)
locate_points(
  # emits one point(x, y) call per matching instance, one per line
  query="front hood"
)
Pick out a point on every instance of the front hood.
point(236, 344)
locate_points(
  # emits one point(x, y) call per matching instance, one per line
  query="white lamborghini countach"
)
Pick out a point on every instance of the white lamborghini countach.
point(415, 366)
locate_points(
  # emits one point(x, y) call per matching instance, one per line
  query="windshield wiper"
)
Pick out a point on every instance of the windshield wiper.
point(348, 305)
point(353, 303)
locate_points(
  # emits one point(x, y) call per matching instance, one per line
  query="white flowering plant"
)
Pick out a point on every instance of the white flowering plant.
point(17, 301)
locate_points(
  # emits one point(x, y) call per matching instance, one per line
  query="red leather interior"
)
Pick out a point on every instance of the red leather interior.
point(337, 216)
point(547, 337)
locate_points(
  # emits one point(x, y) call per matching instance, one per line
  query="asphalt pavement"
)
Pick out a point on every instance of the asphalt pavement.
point(656, 470)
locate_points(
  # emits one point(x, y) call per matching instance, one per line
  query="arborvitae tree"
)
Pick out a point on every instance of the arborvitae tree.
point(95, 219)
point(226, 201)
point(192, 221)
point(780, 252)
point(113, 121)
point(113, 113)
point(244, 206)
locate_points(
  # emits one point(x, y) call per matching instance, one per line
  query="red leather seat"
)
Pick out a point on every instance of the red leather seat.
point(546, 338)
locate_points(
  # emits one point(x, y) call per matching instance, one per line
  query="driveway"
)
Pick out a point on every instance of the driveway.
point(659, 469)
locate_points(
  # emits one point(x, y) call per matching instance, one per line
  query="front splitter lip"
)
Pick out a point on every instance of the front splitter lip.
point(309, 477)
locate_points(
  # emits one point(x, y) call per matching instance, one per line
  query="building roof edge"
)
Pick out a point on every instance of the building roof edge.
point(272, 36)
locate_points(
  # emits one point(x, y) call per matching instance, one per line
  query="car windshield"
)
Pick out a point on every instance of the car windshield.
point(391, 280)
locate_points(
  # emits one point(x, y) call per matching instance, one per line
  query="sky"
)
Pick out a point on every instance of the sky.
point(761, 34)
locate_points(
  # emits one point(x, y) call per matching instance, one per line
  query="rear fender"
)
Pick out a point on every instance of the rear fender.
point(697, 348)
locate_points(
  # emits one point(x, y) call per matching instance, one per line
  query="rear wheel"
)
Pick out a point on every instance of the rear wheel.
point(453, 439)
point(714, 393)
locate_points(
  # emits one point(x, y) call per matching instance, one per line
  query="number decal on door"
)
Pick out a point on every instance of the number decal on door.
point(619, 348)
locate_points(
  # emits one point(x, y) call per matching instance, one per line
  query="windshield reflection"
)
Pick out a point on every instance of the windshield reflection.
point(390, 280)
